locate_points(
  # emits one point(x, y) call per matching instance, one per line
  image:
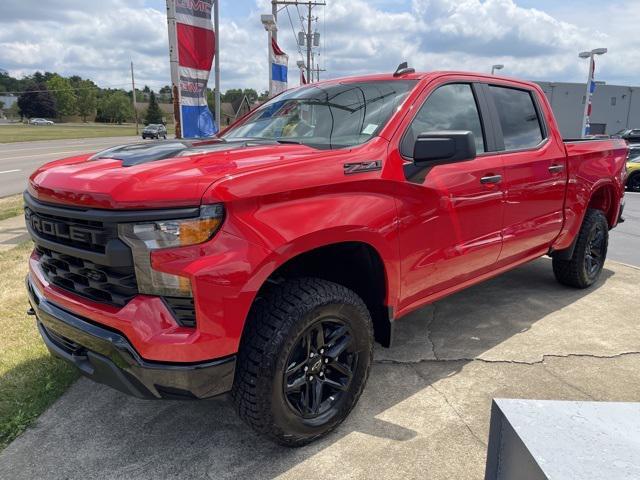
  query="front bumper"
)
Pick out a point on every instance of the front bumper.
point(107, 357)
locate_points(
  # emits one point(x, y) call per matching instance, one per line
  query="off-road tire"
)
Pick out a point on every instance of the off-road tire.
point(574, 272)
point(277, 320)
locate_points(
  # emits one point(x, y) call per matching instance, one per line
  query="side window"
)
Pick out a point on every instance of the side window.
point(518, 117)
point(450, 107)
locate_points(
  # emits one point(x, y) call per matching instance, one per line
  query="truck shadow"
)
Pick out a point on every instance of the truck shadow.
point(93, 431)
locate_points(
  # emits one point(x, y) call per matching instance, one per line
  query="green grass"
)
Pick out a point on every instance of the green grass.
point(30, 378)
point(27, 133)
point(10, 206)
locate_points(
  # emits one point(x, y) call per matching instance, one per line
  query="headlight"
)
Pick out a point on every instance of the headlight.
point(143, 238)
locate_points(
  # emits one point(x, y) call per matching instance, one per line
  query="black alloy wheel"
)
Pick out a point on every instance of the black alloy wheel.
point(633, 184)
point(303, 361)
point(320, 368)
point(595, 251)
point(589, 253)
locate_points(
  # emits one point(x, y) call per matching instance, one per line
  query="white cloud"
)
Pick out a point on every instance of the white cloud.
point(98, 39)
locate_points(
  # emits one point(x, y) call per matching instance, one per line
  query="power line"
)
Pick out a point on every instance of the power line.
point(293, 30)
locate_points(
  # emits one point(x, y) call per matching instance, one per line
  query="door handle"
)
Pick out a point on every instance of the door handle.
point(491, 179)
point(556, 168)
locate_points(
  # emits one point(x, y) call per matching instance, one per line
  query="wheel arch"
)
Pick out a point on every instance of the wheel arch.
point(355, 264)
point(603, 198)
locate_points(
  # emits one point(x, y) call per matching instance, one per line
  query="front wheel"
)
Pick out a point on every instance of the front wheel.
point(585, 266)
point(304, 360)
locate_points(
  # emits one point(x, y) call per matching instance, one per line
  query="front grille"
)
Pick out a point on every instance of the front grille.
point(114, 285)
point(74, 232)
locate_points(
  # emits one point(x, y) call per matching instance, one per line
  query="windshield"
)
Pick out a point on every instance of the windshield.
point(329, 116)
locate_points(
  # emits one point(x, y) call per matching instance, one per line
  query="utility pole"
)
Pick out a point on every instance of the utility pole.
point(133, 97)
point(309, 45)
point(309, 35)
point(216, 29)
point(274, 12)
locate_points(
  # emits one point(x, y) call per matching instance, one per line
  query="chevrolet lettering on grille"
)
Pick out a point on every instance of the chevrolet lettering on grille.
point(61, 230)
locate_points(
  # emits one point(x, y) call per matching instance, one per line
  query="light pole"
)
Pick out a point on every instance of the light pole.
point(269, 23)
point(496, 67)
point(591, 86)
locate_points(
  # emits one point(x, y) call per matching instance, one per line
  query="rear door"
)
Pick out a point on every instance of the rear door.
point(535, 173)
point(450, 215)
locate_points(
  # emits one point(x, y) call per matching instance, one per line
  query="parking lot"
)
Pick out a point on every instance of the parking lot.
point(424, 413)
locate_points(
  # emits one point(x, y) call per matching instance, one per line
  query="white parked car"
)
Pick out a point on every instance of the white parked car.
point(40, 121)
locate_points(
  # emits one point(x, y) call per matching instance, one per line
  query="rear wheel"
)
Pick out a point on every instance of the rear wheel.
point(585, 266)
point(633, 183)
point(304, 360)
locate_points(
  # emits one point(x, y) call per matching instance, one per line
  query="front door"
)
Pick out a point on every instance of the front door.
point(450, 215)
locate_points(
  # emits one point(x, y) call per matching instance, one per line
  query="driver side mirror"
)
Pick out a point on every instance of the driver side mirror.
point(435, 148)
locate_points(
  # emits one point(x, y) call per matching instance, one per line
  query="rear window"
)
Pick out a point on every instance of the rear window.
point(521, 127)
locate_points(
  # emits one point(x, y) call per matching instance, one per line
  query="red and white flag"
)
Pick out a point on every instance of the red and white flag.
point(191, 49)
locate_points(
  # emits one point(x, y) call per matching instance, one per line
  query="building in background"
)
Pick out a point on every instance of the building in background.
point(614, 107)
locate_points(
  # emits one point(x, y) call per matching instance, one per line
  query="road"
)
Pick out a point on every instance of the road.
point(19, 160)
point(624, 240)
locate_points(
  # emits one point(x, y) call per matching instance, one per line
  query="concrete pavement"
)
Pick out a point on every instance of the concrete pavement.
point(18, 160)
point(424, 413)
point(624, 242)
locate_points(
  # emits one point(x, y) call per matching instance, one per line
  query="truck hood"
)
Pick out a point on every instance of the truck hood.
point(156, 174)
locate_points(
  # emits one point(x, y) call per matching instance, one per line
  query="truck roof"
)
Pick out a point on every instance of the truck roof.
point(424, 75)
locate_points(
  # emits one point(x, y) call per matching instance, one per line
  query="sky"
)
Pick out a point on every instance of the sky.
point(537, 40)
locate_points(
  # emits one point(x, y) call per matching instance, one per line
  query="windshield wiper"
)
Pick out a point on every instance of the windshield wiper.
point(286, 141)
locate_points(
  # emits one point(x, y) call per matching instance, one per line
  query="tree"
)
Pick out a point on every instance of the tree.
point(251, 94)
point(86, 98)
point(114, 107)
point(63, 92)
point(13, 111)
point(232, 95)
point(37, 101)
point(154, 114)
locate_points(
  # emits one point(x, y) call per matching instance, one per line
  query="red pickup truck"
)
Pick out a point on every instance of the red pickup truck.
point(267, 260)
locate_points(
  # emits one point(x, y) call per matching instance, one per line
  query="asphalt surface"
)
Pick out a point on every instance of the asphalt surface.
point(624, 240)
point(424, 413)
point(19, 160)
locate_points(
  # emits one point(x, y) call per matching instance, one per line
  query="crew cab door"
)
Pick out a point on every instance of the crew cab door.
point(535, 172)
point(450, 215)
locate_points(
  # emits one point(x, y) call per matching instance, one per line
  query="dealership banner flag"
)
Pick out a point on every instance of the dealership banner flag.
point(279, 68)
point(191, 49)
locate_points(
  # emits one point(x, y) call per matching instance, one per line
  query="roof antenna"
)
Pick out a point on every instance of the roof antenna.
point(403, 69)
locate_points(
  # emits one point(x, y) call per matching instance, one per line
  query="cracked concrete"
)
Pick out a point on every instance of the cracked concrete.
point(424, 413)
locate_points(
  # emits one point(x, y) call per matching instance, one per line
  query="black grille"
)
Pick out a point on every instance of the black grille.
point(115, 285)
point(183, 310)
point(85, 234)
